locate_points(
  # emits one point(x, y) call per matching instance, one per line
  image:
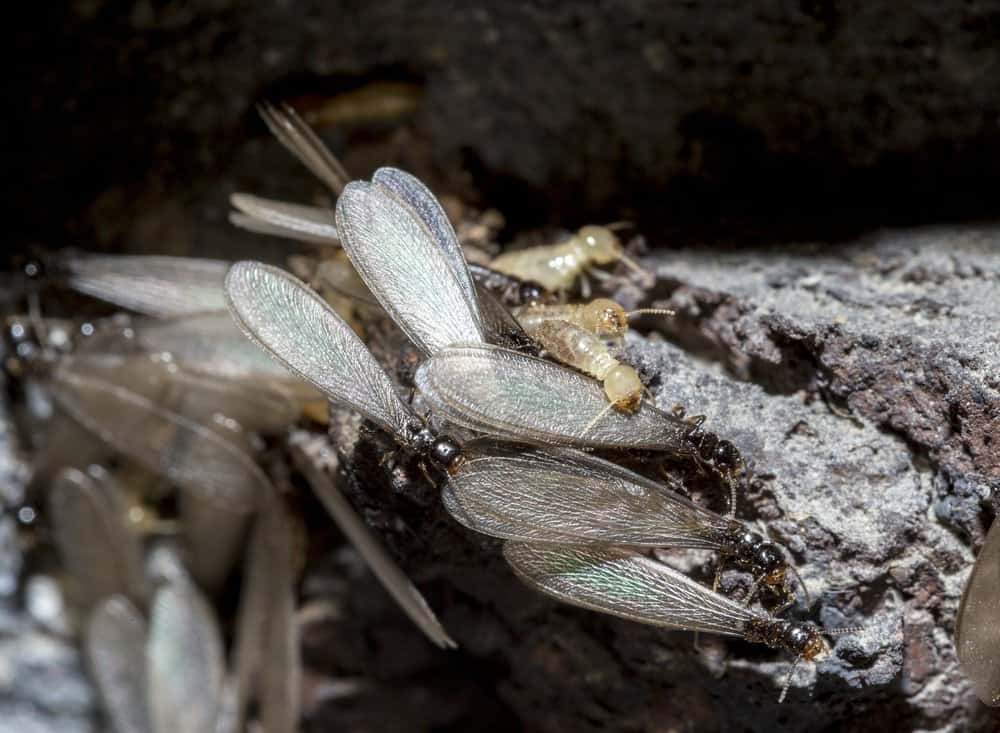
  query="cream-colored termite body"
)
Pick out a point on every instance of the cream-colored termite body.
point(602, 317)
point(576, 347)
point(556, 266)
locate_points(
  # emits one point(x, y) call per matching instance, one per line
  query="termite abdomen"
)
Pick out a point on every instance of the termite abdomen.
point(802, 640)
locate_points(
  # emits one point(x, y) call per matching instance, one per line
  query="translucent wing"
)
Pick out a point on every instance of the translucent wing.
point(383, 566)
point(418, 197)
point(977, 633)
point(518, 397)
point(115, 642)
point(624, 583)
point(292, 132)
point(202, 399)
point(283, 219)
point(211, 343)
point(407, 269)
point(501, 326)
point(88, 518)
point(152, 285)
point(190, 455)
point(340, 276)
point(301, 331)
point(558, 495)
point(185, 663)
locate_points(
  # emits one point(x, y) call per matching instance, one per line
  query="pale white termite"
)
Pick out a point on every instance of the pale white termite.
point(602, 317)
point(556, 266)
point(977, 631)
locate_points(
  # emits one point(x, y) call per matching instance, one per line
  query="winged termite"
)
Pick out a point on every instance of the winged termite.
point(158, 286)
point(301, 331)
point(381, 563)
point(89, 524)
point(554, 495)
point(977, 631)
point(625, 583)
point(556, 266)
point(185, 668)
point(115, 642)
point(406, 251)
point(300, 140)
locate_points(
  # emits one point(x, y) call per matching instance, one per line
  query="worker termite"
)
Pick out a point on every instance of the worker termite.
point(977, 633)
point(562, 496)
point(412, 264)
point(556, 266)
point(625, 583)
point(602, 317)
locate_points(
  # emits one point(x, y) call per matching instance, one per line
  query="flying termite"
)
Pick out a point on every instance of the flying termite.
point(563, 496)
point(625, 583)
point(977, 631)
point(405, 250)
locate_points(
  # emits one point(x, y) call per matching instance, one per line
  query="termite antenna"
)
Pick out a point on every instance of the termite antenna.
point(754, 589)
point(670, 312)
point(731, 514)
point(788, 680)
point(597, 419)
point(844, 630)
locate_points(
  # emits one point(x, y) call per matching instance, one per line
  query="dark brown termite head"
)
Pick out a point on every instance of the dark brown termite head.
point(721, 455)
point(442, 450)
point(804, 640)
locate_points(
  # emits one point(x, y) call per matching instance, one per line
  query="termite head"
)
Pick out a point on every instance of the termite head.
point(623, 387)
point(602, 245)
point(605, 317)
point(805, 641)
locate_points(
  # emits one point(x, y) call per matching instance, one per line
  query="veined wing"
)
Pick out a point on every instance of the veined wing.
point(101, 555)
point(338, 275)
point(521, 398)
point(298, 328)
point(977, 632)
point(418, 197)
point(302, 142)
point(115, 642)
point(190, 455)
point(185, 662)
point(284, 219)
point(153, 285)
point(624, 583)
point(407, 269)
point(543, 494)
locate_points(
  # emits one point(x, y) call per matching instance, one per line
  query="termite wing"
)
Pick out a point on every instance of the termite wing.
point(313, 224)
point(404, 249)
point(559, 495)
point(160, 286)
point(220, 484)
point(115, 645)
point(302, 142)
point(301, 331)
point(102, 557)
point(625, 583)
point(977, 631)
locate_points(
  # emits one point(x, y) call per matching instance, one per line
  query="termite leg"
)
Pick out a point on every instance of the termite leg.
point(584, 286)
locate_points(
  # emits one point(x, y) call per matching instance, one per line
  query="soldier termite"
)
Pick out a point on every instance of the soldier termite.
point(977, 631)
point(556, 266)
point(413, 264)
point(554, 495)
point(624, 583)
point(300, 330)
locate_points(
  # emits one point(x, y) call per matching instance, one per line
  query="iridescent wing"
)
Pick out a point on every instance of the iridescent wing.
point(382, 565)
point(540, 494)
point(185, 666)
point(88, 517)
point(624, 583)
point(977, 632)
point(518, 397)
point(188, 454)
point(153, 285)
point(302, 142)
point(408, 268)
point(299, 329)
point(283, 219)
point(115, 642)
